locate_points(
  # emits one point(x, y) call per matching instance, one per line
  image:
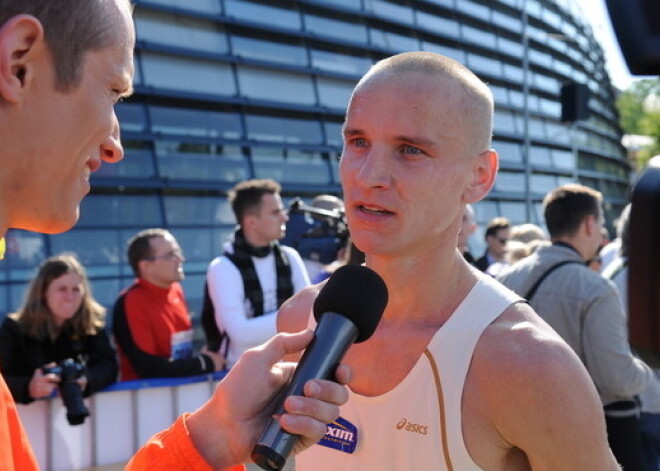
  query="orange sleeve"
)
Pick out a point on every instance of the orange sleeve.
point(15, 450)
point(171, 449)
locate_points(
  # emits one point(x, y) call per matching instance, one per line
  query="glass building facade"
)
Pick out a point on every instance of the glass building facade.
point(227, 90)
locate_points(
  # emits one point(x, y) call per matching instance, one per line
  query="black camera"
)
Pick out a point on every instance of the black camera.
point(317, 234)
point(69, 371)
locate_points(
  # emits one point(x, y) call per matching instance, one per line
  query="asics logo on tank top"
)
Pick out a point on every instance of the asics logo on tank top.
point(410, 427)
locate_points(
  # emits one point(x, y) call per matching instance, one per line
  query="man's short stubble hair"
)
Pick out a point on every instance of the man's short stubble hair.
point(71, 28)
point(476, 101)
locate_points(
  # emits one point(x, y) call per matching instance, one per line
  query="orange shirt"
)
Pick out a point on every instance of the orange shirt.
point(15, 450)
point(171, 449)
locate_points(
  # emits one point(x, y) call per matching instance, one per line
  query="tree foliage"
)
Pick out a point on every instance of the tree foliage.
point(639, 113)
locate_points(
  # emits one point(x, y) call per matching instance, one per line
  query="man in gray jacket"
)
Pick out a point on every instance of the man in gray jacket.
point(584, 308)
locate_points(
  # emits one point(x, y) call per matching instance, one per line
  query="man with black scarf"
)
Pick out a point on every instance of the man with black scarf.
point(255, 274)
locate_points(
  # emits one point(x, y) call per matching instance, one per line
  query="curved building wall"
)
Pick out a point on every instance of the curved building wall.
point(227, 90)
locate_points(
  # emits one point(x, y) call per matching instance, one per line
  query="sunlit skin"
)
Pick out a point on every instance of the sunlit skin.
point(268, 223)
point(165, 266)
point(413, 158)
point(64, 296)
point(58, 138)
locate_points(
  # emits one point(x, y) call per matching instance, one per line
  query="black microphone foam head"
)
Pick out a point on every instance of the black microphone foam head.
point(356, 292)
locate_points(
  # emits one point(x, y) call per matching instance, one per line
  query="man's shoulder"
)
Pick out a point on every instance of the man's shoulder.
point(520, 338)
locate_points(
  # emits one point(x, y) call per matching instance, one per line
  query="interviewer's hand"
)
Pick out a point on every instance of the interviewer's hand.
point(225, 429)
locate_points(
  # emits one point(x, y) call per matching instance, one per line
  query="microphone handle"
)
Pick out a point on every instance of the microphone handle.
point(333, 336)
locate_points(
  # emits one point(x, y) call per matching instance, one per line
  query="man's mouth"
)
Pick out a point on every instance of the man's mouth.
point(374, 210)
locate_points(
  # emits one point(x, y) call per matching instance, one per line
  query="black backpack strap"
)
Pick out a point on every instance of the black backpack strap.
point(535, 287)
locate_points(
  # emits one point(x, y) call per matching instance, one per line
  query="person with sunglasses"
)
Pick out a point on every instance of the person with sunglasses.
point(497, 235)
point(152, 326)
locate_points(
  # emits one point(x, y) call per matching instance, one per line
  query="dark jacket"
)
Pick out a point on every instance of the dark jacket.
point(482, 262)
point(20, 355)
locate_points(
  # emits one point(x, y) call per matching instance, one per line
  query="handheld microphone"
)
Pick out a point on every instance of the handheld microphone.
point(347, 311)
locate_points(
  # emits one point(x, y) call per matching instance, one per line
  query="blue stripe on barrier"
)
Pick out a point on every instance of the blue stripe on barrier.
point(159, 382)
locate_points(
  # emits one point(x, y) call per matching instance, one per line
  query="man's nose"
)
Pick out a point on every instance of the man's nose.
point(111, 149)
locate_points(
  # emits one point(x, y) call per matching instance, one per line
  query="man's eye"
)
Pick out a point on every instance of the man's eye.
point(412, 150)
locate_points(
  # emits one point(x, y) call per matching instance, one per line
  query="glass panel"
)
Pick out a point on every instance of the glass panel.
point(392, 41)
point(201, 161)
point(334, 93)
point(455, 54)
point(480, 11)
point(512, 48)
point(508, 151)
point(540, 156)
point(259, 13)
point(205, 6)
point(484, 211)
point(340, 63)
point(504, 122)
point(280, 129)
point(197, 247)
point(198, 123)
point(563, 158)
point(438, 24)
point(537, 128)
point(543, 184)
point(137, 163)
point(513, 72)
point(24, 249)
point(132, 117)
point(269, 50)
point(198, 210)
point(180, 31)
point(514, 212)
point(510, 182)
point(483, 64)
point(509, 22)
point(200, 76)
point(337, 29)
point(333, 134)
point(120, 210)
point(106, 293)
point(477, 36)
point(290, 166)
point(500, 95)
point(101, 251)
point(398, 13)
point(276, 86)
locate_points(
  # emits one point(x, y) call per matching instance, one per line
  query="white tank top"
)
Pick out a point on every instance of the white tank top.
point(417, 425)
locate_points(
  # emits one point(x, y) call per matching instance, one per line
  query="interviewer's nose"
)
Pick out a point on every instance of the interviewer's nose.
point(111, 149)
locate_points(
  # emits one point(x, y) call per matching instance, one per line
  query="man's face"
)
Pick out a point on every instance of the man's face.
point(497, 243)
point(64, 136)
point(165, 265)
point(404, 167)
point(269, 223)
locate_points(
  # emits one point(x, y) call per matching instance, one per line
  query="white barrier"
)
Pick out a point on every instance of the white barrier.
point(122, 418)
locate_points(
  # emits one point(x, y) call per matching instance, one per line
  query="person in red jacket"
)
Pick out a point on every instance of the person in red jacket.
point(151, 322)
point(57, 126)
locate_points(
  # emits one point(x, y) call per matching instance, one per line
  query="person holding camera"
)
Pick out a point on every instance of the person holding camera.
point(57, 335)
point(255, 274)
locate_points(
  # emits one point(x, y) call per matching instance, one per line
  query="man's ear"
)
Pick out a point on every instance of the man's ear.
point(484, 171)
point(18, 38)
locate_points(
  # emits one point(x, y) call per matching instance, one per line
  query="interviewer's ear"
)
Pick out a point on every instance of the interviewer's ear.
point(18, 38)
point(484, 171)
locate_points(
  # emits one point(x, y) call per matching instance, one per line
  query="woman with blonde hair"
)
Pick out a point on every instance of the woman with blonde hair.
point(59, 320)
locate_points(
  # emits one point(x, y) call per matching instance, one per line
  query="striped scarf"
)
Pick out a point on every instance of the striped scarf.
point(242, 258)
